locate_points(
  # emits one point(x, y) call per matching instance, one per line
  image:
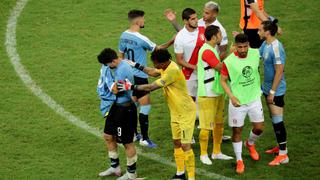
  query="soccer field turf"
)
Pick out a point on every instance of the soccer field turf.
point(58, 42)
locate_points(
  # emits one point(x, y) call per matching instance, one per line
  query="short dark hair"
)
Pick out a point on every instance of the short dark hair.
point(160, 55)
point(107, 56)
point(270, 26)
point(186, 13)
point(210, 31)
point(241, 38)
point(134, 14)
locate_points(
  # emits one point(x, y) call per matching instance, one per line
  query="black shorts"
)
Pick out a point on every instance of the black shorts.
point(139, 81)
point(278, 100)
point(121, 122)
point(254, 38)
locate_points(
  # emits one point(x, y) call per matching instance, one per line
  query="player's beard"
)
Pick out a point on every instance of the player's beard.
point(142, 26)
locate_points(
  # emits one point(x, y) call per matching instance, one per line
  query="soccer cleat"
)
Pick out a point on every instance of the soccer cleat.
point(221, 156)
point(226, 138)
point(111, 171)
point(128, 176)
point(240, 167)
point(253, 153)
point(137, 137)
point(280, 159)
point(179, 177)
point(274, 150)
point(205, 160)
point(147, 143)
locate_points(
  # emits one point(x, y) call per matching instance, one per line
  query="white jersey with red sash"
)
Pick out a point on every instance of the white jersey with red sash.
point(188, 44)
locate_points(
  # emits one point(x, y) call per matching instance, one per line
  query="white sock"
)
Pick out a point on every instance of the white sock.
point(252, 138)
point(179, 173)
point(237, 148)
point(283, 152)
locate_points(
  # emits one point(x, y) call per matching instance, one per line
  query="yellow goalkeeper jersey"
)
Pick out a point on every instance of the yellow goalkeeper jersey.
point(175, 90)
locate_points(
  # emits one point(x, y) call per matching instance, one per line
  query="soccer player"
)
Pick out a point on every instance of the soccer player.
point(210, 13)
point(252, 14)
point(242, 68)
point(134, 46)
point(186, 47)
point(274, 86)
point(210, 97)
point(182, 107)
point(120, 113)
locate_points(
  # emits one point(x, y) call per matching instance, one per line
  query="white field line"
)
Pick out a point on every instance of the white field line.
point(14, 57)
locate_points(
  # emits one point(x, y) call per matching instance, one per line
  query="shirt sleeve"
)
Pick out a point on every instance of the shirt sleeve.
point(209, 57)
point(167, 78)
point(147, 44)
point(121, 45)
point(224, 36)
point(224, 70)
point(278, 59)
point(178, 46)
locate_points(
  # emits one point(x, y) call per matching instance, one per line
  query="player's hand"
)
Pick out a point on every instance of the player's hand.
point(170, 15)
point(115, 88)
point(131, 63)
point(235, 102)
point(235, 33)
point(124, 85)
point(270, 99)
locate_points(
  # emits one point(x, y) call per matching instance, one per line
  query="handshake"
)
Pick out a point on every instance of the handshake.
point(125, 85)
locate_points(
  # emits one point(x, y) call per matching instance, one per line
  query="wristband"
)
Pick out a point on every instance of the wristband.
point(272, 92)
point(139, 66)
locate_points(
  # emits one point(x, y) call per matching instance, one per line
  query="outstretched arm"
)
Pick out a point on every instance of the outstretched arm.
point(171, 17)
point(148, 70)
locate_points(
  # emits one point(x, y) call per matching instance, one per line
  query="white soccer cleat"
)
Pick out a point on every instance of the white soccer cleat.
point(205, 160)
point(128, 176)
point(221, 156)
point(147, 143)
point(226, 138)
point(111, 171)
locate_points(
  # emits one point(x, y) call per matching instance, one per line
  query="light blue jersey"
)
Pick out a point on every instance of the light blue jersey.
point(271, 55)
point(106, 81)
point(135, 47)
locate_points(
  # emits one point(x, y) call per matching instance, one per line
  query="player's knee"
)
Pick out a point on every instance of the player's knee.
point(177, 143)
point(258, 128)
point(145, 109)
point(107, 137)
point(236, 135)
point(276, 119)
point(186, 147)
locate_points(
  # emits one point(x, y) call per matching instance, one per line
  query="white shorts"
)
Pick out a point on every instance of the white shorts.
point(237, 115)
point(192, 86)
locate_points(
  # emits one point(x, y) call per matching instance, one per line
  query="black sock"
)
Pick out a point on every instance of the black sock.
point(132, 168)
point(144, 125)
point(281, 135)
point(115, 162)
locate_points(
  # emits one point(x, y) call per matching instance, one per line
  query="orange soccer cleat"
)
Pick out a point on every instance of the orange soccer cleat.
point(253, 153)
point(240, 167)
point(274, 150)
point(281, 159)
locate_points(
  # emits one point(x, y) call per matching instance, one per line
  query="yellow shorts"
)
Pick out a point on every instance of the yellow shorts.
point(211, 110)
point(182, 126)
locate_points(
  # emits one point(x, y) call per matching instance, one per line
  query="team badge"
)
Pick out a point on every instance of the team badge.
point(247, 71)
